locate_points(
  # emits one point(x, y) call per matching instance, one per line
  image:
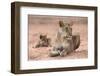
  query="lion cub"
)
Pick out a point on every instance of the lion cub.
point(43, 41)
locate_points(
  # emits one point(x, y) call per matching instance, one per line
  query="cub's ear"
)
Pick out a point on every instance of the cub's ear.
point(45, 36)
point(61, 24)
point(41, 36)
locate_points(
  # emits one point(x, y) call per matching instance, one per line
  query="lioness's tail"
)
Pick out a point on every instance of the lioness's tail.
point(76, 41)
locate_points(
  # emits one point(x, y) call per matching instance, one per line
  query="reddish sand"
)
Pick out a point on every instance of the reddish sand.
point(42, 53)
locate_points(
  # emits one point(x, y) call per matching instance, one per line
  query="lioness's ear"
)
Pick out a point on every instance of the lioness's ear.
point(61, 24)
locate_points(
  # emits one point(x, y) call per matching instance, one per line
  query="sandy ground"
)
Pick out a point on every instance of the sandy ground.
point(42, 53)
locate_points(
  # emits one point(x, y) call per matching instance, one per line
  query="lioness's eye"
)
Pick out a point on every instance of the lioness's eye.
point(66, 28)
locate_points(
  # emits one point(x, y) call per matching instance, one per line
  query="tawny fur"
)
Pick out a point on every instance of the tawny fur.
point(65, 42)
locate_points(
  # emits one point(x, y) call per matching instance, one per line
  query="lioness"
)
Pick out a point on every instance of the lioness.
point(65, 42)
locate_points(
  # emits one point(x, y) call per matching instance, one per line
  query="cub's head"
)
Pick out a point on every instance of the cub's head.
point(43, 37)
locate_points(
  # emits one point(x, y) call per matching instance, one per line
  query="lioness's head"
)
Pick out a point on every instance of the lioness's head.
point(65, 28)
point(65, 25)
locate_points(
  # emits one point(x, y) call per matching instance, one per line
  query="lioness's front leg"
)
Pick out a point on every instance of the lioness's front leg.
point(63, 53)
